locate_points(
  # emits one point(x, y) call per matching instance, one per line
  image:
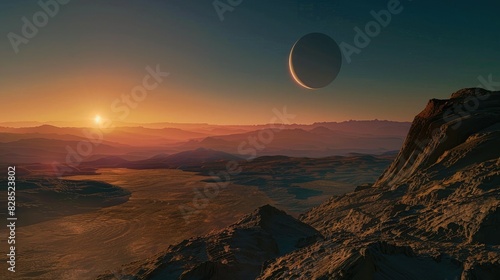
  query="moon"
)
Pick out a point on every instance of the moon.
point(315, 61)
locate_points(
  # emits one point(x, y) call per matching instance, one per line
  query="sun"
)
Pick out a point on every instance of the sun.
point(97, 119)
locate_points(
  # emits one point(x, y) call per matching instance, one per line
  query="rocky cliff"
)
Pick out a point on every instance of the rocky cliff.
point(434, 214)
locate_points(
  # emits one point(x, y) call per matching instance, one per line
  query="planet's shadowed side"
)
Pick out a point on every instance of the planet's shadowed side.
point(315, 60)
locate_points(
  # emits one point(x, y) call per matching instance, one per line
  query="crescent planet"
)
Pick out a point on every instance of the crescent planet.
point(315, 61)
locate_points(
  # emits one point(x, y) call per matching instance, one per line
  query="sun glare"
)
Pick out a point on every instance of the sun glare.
point(97, 119)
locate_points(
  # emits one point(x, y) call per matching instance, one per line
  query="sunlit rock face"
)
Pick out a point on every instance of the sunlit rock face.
point(440, 197)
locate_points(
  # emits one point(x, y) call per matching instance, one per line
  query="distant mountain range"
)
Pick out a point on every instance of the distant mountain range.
point(316, 142)
point(48, 143)
point(178, 160)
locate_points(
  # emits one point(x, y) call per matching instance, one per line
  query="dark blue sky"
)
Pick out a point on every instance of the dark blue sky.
point(235, 70)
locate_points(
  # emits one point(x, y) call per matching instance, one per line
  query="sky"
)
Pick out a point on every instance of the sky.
point(232, 67)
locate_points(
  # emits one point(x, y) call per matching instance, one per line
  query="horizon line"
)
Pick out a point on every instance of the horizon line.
point(131, 124)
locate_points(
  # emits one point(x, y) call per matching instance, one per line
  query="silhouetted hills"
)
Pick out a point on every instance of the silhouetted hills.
point(178, 160)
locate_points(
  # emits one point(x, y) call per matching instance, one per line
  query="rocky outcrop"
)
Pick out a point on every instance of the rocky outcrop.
point(440, 197)
point(443, 133)
point(236, 252)
point(375, 260)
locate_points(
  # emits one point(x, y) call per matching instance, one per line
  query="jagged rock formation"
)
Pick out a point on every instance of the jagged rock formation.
point(434, 214)
point(440, 197)
point(236, 252)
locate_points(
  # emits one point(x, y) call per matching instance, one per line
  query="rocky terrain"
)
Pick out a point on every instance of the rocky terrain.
point(236, 252)
point(433, 214)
